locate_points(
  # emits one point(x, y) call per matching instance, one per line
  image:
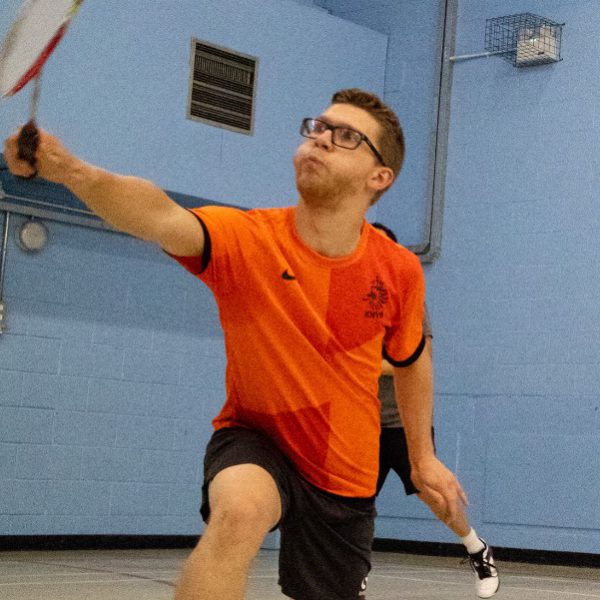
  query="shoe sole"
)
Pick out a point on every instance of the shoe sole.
point(491, 594)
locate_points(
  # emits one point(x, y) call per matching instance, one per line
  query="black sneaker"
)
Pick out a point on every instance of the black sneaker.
point(486, 574)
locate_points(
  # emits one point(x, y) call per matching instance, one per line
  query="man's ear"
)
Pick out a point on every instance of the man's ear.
point(381, 179)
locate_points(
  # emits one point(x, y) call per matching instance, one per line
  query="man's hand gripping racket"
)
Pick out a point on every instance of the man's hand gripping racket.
point(37, 30)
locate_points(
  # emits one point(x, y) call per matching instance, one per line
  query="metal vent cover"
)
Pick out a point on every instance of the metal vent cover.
point(222, 87)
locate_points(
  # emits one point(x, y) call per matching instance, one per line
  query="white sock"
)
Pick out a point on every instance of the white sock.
point(472, 543)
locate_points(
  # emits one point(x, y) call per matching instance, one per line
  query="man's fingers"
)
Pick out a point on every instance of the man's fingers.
point(444, 489)
point(451, 512)
point(454, 500)
point(23, 170)
point(438, 502)
point(16, 165)
point(28, 141)
point(446, 502)
point(464, 497)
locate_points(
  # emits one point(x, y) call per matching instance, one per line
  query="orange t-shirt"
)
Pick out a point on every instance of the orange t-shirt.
point(304, 336)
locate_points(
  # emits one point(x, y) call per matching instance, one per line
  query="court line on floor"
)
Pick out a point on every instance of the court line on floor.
point(97, 570)
point(77, 582)
point(504, 573)
point(504, 586)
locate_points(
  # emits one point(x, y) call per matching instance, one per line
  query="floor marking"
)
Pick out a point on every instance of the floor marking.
point(55, 583)
point(100, 571)
point(504, 586)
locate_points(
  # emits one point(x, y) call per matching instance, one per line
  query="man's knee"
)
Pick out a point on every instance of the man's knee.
point(240, 520)
point(244, 503)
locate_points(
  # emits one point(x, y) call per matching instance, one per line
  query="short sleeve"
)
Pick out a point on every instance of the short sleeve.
point(404, 340)
point(228, 233)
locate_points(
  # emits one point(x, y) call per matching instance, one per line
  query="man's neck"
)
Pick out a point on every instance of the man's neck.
point(331, 231)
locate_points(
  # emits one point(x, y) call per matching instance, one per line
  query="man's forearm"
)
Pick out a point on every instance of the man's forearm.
point(120, 200)
point(414, 395)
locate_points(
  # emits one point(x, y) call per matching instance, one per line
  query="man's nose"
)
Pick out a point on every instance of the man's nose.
point(325, 139)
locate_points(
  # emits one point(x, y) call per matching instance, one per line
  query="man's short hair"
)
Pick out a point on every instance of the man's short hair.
point(391, 138)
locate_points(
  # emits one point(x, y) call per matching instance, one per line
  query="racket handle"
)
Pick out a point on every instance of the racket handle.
point(28, 143)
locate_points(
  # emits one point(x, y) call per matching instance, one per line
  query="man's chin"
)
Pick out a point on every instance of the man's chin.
point(314, 195)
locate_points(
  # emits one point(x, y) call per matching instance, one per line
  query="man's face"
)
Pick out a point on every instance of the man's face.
point(325, 172)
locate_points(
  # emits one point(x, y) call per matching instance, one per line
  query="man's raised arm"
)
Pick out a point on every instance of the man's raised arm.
point(130, 204)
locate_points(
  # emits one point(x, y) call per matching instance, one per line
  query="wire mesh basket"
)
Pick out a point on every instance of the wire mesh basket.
point(525, 39)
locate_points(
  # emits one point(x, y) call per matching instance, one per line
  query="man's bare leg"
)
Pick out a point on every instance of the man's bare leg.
point(245, 505)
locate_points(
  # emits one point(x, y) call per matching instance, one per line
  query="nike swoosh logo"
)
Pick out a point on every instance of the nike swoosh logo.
point(287, 276)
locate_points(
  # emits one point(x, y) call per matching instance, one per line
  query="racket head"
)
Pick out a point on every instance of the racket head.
point(34, 35)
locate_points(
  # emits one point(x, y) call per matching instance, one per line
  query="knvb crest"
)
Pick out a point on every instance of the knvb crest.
point(376, 298)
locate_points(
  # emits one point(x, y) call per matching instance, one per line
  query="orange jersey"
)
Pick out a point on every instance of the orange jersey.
point(304, 336)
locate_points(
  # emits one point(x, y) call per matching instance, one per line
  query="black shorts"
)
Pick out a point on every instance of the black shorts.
point(393, 455)
point(326, 539)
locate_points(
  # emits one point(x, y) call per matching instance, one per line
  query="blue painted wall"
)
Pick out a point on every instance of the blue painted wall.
point(514, 295)
point(112, 364)
point(513, 301)
point(111, 368)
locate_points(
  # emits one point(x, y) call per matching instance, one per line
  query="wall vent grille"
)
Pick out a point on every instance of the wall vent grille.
point(222, 87)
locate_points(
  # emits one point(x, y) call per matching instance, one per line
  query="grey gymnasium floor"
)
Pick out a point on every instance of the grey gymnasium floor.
point(150, 574)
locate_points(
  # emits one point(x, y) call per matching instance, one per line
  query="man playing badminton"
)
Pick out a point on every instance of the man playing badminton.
point(308, 296)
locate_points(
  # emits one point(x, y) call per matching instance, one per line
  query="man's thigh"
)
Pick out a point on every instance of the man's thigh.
point(243, 468)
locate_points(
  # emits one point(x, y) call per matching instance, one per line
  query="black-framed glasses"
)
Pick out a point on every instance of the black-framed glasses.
point(344, 137)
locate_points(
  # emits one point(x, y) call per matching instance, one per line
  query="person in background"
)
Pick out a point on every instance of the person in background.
point(393, 455)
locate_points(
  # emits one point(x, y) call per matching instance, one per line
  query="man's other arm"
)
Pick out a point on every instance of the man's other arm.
point(414, 395)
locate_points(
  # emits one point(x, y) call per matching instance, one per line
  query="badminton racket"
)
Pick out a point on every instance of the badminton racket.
point(37, 30)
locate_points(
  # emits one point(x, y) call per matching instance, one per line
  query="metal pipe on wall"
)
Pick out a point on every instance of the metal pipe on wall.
point(3, 250)
point(431, 250)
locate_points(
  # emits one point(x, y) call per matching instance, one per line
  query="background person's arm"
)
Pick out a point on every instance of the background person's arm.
point(386, 368)
point(130, 204)
point(414, 395)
